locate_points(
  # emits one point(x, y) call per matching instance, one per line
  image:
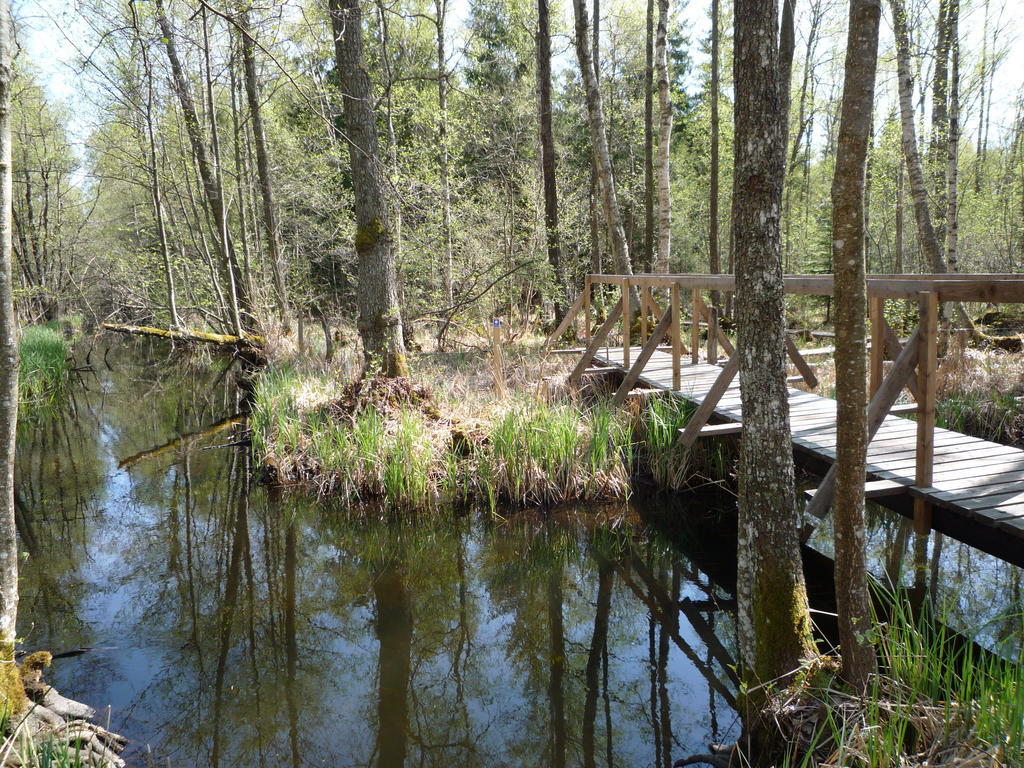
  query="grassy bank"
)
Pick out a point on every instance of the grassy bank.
point(393, 442)
point(43, 376)
point(938, 701)
point(455, 439)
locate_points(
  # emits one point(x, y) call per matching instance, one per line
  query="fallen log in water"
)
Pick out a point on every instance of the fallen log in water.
point(247, 341)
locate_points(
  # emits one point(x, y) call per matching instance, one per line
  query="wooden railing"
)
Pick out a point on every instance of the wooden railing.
point(636, 297)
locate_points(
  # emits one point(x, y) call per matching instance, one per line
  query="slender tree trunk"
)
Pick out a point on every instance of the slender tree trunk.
point(272, 232)
point(154, 176)
point(212, 188)
point(979, 153)
point(899, 267)
point(441, 10)
point(380, 319)
point(936, 159)
point(664, 143)
point(8, 374)
point(773, 622)
point(599, 142)
point(649, 262)
point(548, 168)
point(953, 146)
point(715, 260)
point(848, 256)
point(915, 171)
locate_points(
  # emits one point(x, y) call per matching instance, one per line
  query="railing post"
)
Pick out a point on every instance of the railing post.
point(586, 309)
point(677, 341)
point(876, 313)
point(627, 320)
point(645, 295)
point(928, 305)
point(695, 326)
point(713, 335)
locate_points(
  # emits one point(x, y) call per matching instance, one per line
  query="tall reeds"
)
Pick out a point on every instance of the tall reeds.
point(43, 375)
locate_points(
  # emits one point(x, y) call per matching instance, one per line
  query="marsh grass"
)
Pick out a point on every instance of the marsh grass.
point(672, 467)
point(44, 368)
point(938, 701)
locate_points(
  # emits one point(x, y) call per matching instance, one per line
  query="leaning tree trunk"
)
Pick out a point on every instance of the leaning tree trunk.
point(547, 149)
point(848, 256)
point(380, 319)
point(212, 188)
point(915, 170)
point(8, 385)
point(664, 143)
point(599, 142)
point(774, 622)
point(270, 226)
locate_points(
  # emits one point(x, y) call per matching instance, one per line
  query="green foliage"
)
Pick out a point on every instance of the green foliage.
point(43, 376)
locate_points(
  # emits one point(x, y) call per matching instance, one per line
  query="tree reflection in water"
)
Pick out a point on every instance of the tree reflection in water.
point(253, 630)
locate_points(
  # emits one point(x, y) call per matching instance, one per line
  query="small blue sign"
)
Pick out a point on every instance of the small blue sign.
point(496, 323)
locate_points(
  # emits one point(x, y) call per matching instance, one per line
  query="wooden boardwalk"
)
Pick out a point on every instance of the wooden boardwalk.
point(977, 488)
point(967, 488)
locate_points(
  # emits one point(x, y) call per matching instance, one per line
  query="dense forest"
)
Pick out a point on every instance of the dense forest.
point(360, 241)
point(182, 105)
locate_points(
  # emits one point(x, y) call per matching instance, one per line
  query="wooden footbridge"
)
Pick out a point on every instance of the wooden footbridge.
point(965, 487)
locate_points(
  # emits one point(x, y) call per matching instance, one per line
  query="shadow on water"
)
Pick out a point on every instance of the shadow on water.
point(241, 629)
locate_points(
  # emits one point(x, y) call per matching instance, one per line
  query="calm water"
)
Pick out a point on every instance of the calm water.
point(235, 629)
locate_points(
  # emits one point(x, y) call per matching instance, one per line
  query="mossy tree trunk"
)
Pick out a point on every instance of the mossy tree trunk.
point(9, 679)
point(380, 320)
point(848, 232)
point(774, 622)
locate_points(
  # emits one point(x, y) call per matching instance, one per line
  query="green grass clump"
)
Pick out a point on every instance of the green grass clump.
point(994, 416)
point(528, 452)
point(44, 371)
point(664, 456)
point(938, 700)
point(539, 453)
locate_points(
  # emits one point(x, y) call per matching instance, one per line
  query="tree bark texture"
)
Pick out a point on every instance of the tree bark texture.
point(664, 143)
point(548, 162)
point(8, 361)
point(380, 320)
point(953, 143)
point(848, 256)
point(715, 259)
point(599, 142)
point(271, 230)
point(447, 265)
point(773, 622)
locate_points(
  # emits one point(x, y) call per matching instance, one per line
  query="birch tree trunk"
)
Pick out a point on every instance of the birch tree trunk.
point(548, 167)
point(774, 622)
point(380, 319)
point(270, 226)
point(848, 256)
point(8, 370)
point(664, 143)
point(915, 170)
point(599, 143)
point(936, 159)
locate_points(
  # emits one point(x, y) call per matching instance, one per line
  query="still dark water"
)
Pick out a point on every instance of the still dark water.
point(236, 629)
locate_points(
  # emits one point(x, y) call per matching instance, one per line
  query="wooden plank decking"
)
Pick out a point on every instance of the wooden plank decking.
point(976, 488)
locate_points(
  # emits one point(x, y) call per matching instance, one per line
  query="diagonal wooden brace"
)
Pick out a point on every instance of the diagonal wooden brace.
point(569, 317)
point(596, 342)
point(689, 433)
point(806, 370)
point(643, 358)
point(878, 409)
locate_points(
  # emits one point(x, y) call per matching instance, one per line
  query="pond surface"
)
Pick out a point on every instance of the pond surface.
point(232, 628)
